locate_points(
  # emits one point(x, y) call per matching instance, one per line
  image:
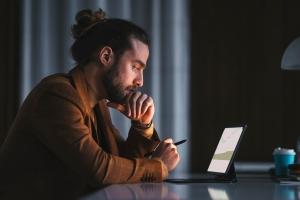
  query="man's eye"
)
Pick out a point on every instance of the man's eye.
point(135, 67)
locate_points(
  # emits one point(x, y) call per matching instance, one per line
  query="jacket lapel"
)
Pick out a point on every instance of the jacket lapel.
point(104, 120)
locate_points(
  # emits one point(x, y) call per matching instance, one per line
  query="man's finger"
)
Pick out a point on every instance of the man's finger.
point(132, 102)
point(146, 104)
point(139, 104)
point(128, 109)
point(168, 140)
point(117, 106)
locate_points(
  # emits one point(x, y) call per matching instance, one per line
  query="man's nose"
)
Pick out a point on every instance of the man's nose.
point(139, 81)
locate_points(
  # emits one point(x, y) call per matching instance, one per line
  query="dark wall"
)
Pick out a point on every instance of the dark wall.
point(9, 60)
point(236, 76)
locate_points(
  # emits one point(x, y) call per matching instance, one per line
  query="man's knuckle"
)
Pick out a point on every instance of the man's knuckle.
point(148, 99)
point(131, 100)
point(149, 103)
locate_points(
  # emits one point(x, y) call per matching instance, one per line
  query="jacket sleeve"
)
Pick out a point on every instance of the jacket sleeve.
point(139, 142)
point(60, 125)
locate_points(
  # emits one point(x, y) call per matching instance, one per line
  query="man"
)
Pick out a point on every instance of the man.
point(63, 136)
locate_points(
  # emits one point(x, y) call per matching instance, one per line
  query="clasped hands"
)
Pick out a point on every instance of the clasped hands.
point(140, 107)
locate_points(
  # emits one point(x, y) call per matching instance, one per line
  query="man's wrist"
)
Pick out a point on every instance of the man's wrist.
point(140, 125)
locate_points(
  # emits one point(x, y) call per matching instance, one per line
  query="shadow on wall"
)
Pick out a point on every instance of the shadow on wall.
point(9, 70)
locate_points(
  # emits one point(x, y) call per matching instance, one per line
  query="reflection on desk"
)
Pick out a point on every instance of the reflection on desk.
point(217, 193)
point(247, 187)
point(134, 191)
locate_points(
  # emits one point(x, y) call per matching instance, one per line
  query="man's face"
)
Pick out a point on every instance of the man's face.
point(126, 74)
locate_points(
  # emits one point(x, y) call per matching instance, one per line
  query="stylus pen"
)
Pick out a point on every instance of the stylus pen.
point(180, 142)
point(176, 143)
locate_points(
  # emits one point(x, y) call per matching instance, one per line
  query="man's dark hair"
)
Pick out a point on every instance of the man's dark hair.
point(94, 31)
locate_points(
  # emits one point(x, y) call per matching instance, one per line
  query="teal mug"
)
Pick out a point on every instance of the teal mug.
point(282, 159)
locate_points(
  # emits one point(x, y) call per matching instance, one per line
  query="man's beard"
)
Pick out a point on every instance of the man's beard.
point(115, 91)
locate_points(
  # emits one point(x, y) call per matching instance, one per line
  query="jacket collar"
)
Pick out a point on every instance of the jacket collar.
point(83, 89)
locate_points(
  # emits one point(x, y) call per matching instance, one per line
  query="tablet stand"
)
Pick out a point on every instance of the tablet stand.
point(230, 176)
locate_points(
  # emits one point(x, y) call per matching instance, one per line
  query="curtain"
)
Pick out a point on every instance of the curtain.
point(46, 39)
point(9, 62)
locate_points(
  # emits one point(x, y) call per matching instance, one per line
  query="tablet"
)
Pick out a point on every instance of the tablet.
point(221, 168)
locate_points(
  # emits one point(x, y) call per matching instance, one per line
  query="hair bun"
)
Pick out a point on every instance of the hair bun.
point(86, 19)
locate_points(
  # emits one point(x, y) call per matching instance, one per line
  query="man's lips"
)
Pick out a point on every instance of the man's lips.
point(127, 92)
point(131, 90)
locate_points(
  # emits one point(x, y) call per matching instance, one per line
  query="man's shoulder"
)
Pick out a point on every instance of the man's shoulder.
point(58, 84)
point(56, 81)
point(58, 87)
point(59, 78)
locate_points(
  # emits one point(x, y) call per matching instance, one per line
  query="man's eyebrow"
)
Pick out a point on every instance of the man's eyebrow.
point(143, 65)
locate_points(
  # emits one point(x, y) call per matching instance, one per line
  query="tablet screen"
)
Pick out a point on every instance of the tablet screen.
point(225, 149)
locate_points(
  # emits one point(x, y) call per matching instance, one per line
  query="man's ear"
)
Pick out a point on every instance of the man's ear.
point(105, 56)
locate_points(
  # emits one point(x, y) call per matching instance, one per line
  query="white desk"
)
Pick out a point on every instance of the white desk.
point(252, 187)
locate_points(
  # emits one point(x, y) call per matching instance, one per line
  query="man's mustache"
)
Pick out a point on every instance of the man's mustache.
point(132, 89)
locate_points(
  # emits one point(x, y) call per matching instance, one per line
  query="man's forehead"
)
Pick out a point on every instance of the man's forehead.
point(136, 43)
point(139, 51)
